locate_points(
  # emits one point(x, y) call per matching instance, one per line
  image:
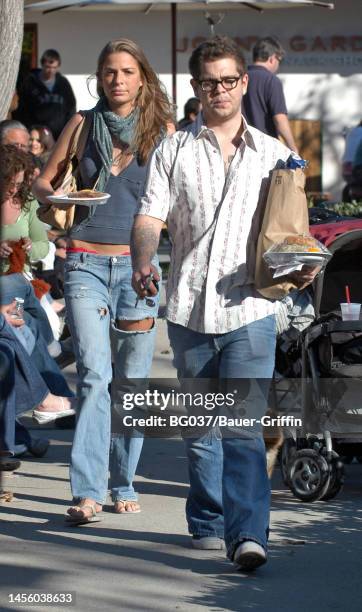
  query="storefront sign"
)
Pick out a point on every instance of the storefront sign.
point(301, 50)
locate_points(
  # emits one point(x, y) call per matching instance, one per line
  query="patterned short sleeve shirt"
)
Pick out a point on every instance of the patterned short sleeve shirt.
point(213, 221)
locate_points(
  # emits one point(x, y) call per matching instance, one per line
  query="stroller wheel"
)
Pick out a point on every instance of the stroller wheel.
point(287, 452)
point(336, 479)
point(308, 475)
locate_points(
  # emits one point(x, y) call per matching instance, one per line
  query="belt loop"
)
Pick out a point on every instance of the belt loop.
point(83, 257)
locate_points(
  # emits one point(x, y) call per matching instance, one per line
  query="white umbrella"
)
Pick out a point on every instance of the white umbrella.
point(49, 6)
point(261, 4)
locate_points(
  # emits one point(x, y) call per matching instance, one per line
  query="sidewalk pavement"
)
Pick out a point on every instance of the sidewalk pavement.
point(144, 562)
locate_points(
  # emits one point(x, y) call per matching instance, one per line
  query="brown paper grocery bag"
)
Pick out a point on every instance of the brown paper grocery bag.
point(286, 214)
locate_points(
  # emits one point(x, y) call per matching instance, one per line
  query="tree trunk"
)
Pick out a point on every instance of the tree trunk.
point(11, 38)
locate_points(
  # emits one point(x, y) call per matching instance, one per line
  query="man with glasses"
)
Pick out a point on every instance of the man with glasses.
point(210, 184)
point(264, 102)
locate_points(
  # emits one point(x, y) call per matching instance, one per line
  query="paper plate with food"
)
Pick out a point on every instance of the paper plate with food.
point(294, 252)
point(84, 197)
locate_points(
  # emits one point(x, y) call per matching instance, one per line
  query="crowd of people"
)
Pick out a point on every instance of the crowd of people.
point(206, 179)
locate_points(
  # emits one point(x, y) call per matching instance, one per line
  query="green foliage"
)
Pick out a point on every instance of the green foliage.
point(348, 209)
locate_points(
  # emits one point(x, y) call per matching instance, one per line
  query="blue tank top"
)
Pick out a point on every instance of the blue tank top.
point(111, 222)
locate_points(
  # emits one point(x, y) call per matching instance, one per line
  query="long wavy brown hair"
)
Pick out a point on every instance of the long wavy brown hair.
point(12, 161)
point(155, 110)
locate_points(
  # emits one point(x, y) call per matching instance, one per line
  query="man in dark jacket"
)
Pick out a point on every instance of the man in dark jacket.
point(46, 96)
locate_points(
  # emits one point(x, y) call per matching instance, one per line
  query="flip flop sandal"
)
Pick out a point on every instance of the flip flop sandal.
point(42, 416)
point(73, 520)
point(127, 501)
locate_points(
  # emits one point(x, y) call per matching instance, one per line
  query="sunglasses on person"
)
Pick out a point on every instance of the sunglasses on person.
point(228, 83)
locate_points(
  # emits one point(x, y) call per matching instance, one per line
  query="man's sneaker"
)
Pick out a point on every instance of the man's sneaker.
point(207, 543)
point(249, 555)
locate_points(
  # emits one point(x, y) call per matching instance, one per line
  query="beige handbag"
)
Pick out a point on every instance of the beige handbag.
point(286, 214)
point(62, 217)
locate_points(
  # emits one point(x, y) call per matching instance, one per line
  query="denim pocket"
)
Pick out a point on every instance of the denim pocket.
point(70, 266)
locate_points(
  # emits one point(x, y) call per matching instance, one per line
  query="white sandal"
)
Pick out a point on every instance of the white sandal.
point(94, 518)
point(43, 416)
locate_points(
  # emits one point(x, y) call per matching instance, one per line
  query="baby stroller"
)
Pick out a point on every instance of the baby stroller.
point(328, 358)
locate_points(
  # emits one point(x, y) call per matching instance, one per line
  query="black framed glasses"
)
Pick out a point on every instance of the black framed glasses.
point(228, 83)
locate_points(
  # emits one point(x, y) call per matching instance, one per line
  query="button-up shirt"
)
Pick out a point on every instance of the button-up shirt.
point(213, 221)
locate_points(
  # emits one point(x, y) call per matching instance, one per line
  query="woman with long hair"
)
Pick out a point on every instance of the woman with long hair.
point(24, 240)
point(132, 115)
point(18, 209)
point(41, 142)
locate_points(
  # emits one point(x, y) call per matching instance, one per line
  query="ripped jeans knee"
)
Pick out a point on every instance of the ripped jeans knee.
point(132, 348)
point(142, 325)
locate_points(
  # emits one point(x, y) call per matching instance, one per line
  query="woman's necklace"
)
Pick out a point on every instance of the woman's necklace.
point(121, 155)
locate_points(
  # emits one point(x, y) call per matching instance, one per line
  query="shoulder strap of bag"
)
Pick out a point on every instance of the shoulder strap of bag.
point(81, 136)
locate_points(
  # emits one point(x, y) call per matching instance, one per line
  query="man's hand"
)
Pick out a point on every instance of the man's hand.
point(6, 310)
point(5, 249)
point(305, 276)
point(145, 237)
point(142, 281)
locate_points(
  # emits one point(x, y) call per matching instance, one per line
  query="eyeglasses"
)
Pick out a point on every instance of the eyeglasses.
point(279, 58)
point(14, 185)
point(228, 83)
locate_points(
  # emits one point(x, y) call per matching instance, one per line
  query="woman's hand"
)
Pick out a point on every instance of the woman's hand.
point(5, 249)
point(27, 244)
point(6, 310)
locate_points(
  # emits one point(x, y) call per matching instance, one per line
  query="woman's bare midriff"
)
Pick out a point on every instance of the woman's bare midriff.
point(102, 249)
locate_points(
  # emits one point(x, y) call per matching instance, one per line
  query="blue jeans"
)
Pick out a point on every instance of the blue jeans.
point(15, 285)
point(229, 495)
point(98, 292)
point(23, 387)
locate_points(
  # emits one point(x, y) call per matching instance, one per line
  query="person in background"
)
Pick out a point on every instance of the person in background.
point(41, 142)
point(264, 102)
point(191, 110)
point(18, 210)
point(21, 228)
point(35, 317)
point(353, 140)
point(30, 389)
point(12, 132)
point(46, 96)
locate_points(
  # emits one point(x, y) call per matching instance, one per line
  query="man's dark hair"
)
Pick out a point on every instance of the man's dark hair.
point(266, 47)
point(213, 49)
point(50, 55)
point(192, 106)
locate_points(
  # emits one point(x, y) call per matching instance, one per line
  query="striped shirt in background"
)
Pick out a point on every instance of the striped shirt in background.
point(213, 222)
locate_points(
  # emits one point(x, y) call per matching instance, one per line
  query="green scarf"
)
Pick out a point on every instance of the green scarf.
point(105, 125)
